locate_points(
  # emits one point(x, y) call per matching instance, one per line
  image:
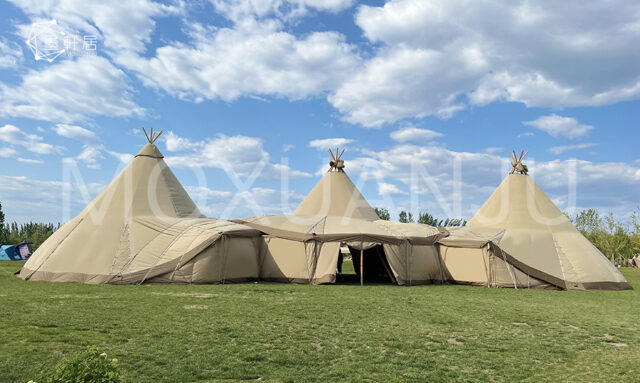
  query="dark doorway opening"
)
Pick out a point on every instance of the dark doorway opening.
point(375, 267)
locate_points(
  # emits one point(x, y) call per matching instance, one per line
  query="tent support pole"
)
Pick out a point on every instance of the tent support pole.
point(384, 263)
point(361, 260)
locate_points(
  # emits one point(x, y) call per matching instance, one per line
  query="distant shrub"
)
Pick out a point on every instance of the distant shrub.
point(88, 366)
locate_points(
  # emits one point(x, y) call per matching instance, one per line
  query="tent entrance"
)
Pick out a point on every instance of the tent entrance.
point(374, 266)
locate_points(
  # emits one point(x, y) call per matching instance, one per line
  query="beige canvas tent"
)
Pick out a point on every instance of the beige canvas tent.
point(519, 238)
point(303, 247)
point(143, 227)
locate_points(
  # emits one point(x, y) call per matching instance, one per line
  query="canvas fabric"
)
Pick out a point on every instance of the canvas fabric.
point(305, 249)
point(531, 235)
point(141, 226)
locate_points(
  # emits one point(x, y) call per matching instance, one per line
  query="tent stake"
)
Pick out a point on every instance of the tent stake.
point(361, 260)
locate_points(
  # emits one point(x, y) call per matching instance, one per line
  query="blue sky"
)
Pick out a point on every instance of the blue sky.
point(437, 89)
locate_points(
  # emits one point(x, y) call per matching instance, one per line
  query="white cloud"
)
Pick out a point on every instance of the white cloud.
point(10, 54)
point(239, 10)
point(400, 83)
point(32, 142)
point(45, 200)
point(29, 160)
point(414, 134)
point(450, 183)
point(77, 133)
point(526, 134)
point(91, 153)
point(175, 143)
point(287, 147)
point(123, 26)
point(429, 57)
point(389, 189)
point(124, 158)
point(255, 59)
point(558, 126)
point(253, 202)
point(90, 156)
point(330, 143)
point(70, 90)
point(7, 152)
point(493, 150)
point(563, 148)
point(434, 57)
point(238, 155)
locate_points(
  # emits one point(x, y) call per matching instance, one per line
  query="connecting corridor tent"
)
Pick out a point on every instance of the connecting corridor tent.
point(303, 247)
point(519, 238)
point(144, 227)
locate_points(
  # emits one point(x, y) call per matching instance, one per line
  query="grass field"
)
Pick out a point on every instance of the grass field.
point(299, 333)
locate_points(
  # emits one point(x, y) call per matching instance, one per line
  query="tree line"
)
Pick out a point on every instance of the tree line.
point(34, 232)
point(618, 240)
point(423, 217)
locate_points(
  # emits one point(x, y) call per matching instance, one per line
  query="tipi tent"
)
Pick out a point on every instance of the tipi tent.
point(335, 195)
point(143, 227)
point(303, 247)
point(520, 238)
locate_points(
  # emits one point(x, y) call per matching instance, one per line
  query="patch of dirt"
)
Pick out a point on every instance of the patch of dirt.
point(318, 346)
point(520, 323)
point(616, 344)
point(608, 337)
point(573, 327)
point(75, 296)
point(195, 307)
point(191, 295)
point(454, 342)
point(399, 353)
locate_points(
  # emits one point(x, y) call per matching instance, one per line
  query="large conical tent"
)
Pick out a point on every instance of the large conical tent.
point(336, 195)
point(144, 227)
point(303, 247)
point(520, 226)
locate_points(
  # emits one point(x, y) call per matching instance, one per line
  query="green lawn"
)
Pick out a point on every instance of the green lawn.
point(299, 333)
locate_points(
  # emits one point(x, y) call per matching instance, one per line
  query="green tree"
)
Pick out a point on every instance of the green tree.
point(382, 213)
point(588, 221)
point(405, 217)
point(635, 232)
point(610, 236)
point(427, 219)
point(453, 222)
point(3, 230)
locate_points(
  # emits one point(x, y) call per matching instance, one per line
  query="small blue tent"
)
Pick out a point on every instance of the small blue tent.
point(20, 252)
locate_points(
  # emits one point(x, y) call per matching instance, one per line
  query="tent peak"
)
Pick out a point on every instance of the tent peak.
point(150, 150)
point(337, 165)
point(516, 162)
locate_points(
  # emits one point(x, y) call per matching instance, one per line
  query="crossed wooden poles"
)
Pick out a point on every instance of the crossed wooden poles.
point(517, 164)
point(151, 137)
point(337, 164)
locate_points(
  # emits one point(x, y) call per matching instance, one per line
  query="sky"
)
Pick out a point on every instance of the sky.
point(427, 97)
